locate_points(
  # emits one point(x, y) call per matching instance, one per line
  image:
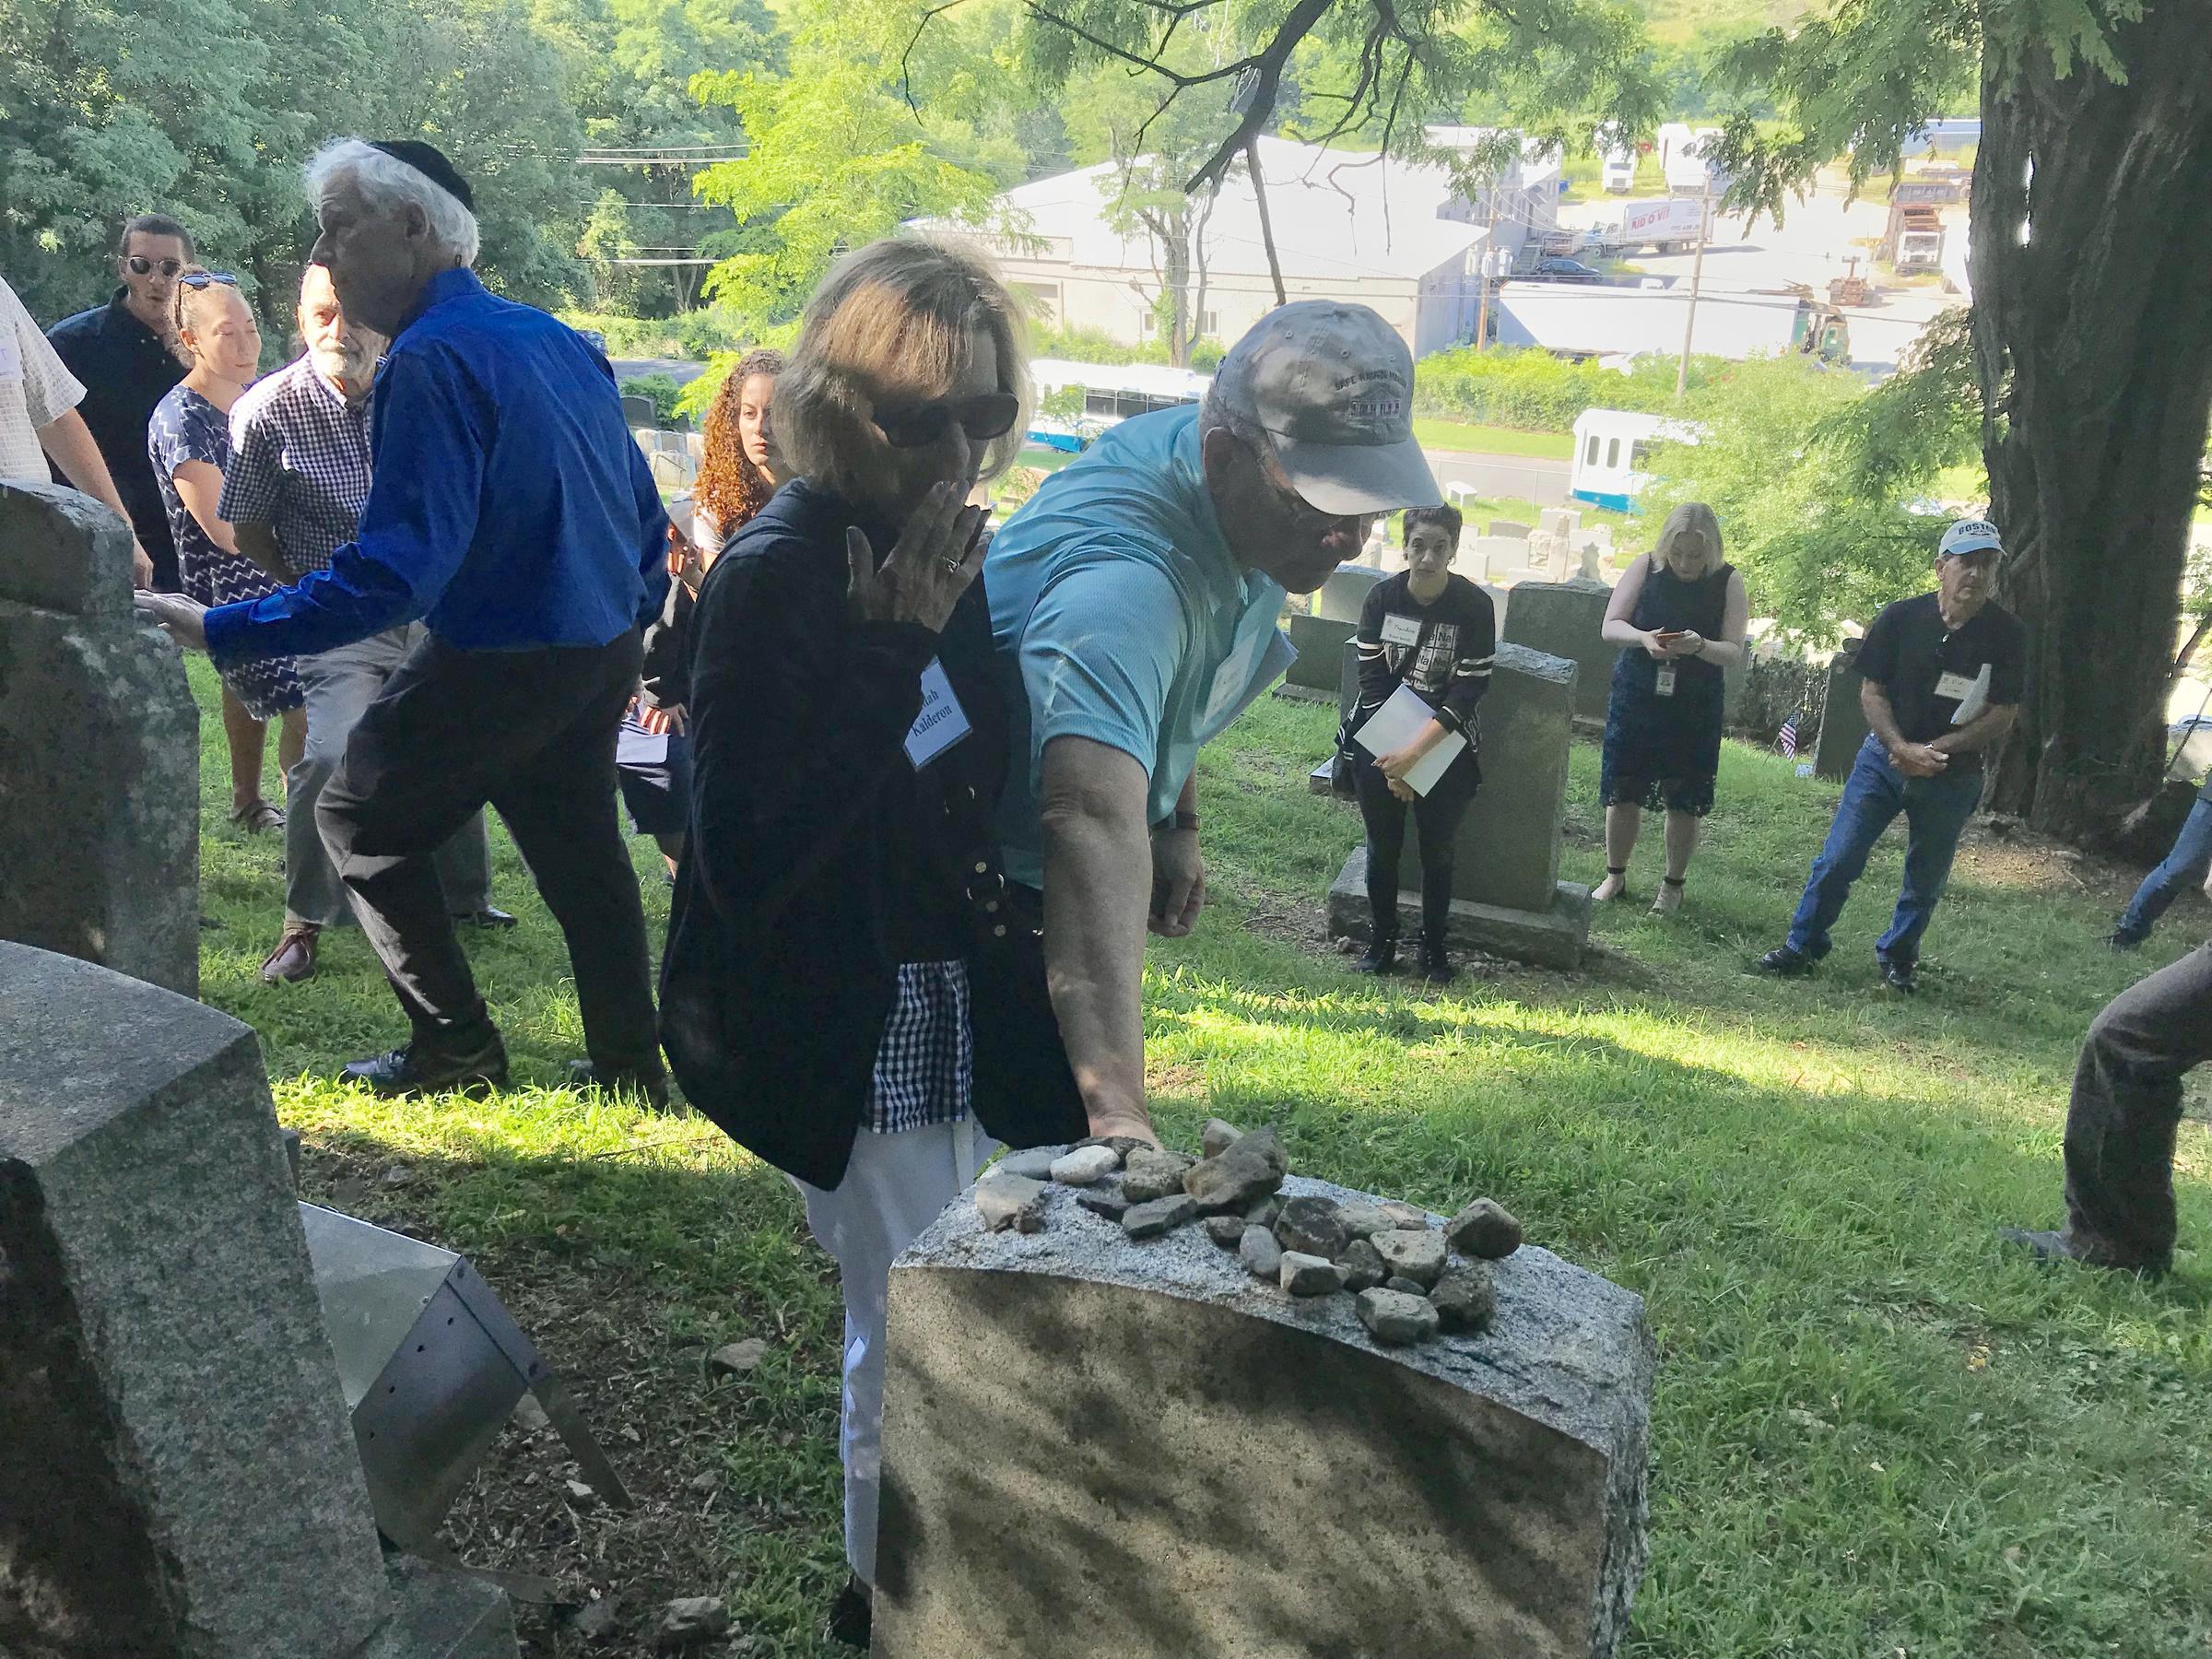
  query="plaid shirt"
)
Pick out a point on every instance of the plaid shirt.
point(925, 1064)
point(36, 390)
point(299, 464)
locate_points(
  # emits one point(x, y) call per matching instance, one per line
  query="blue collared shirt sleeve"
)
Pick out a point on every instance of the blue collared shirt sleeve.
point(432, 430)
point(1099, 655)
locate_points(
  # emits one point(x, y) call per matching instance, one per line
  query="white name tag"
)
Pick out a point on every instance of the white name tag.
point(1401, 631)
point(1664, 681)
point(1954, 686)
point(942, 722)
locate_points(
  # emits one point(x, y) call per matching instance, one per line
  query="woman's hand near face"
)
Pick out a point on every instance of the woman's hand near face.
point(937, 555)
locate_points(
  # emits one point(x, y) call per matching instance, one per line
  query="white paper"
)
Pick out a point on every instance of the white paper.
point(942, 722)
point(1973, 695)
point(1396, 724)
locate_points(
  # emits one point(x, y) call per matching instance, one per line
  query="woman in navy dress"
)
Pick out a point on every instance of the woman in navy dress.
point(188, 441)
point(1680, 615)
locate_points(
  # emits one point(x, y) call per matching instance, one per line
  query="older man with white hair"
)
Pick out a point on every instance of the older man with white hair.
point(513, 515)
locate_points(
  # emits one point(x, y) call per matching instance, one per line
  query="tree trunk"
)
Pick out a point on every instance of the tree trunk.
point(1176, 272)
point(2093, 343)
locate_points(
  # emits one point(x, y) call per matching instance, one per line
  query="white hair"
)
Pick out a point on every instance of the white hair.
point(387, 184)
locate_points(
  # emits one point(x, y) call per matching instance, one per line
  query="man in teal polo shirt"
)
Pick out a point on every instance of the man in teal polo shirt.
point(1135, 597)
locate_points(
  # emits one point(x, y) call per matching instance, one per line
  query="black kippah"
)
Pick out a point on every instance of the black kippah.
point(429, 161)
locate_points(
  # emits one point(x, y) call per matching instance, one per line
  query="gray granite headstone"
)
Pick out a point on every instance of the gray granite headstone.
point(1344, 591)
point(1094, 1447)
point(99, 750)
point(1566, 620)
point(1320, 642)
point(176, 1476)
point(1843, 726)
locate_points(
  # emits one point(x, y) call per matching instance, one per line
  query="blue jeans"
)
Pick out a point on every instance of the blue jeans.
point(2184, 867)
point(1935, 812)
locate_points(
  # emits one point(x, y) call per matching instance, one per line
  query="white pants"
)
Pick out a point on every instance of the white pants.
point(893, 1189)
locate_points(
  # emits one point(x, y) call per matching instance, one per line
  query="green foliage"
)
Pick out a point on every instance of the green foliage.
point(697, 334)
point(1528, 387)
point(1814, 481)
point(1063, 402)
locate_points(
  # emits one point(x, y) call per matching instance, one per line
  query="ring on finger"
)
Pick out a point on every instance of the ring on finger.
point(953, 565)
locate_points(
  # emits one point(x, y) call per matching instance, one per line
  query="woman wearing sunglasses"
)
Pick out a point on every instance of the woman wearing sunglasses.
point(188, 441)
point(847, 989)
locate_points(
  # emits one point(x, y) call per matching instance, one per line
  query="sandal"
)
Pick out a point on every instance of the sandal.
point(1617, 878)
point(1669, 898)
point(257, 816)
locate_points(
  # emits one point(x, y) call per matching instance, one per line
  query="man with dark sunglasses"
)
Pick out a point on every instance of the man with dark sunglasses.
point(122, 353)
point(1135, 598)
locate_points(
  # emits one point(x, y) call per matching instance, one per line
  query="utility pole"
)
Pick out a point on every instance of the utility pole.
point(1490, 264)
point(1697, 276)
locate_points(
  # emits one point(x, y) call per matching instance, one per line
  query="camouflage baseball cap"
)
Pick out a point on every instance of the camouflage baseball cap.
point(1332, 385)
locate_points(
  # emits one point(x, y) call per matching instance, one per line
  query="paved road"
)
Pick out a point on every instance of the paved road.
point(1516, 477)
point(681, 371)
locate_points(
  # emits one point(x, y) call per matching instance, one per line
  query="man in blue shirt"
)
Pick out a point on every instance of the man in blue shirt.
point(512, 511)
point(1136, 599)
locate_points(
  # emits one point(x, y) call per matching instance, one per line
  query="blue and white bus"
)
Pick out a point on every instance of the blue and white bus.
point(1610, 449)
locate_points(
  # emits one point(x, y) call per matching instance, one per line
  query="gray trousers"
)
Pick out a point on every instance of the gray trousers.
point(2127, 1108)
point(340, 684)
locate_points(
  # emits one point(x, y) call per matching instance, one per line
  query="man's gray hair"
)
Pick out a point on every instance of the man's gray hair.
point(386, 184)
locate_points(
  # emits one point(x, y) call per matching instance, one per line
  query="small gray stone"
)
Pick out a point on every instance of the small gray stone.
point(691, 1621)
point(1402, 1214)
point(739, 1358)
point(1485, 1229)
point(1036, 1164)
point(1225, 1230)
point(1105, 1201)
point(1365, 1221)
point(1122, 1145)
point(706, 1480)
point(1265, 1213)
point(596, 1620)
point(1085, 1166)
point(1363, 1269)
point(1218, 1137)
point(1393, 1317)
point(1404, 1287)
point(1466, 1297)
point(1418, 1257)
point(529, 1416)
point(1240, 1174)
point(581, 1495)
point(1150, 1173)
point(1306, 1275)
point(1156, 1216)
point(1310, 1225)
point(1260, 1252)
point(1007, 1201)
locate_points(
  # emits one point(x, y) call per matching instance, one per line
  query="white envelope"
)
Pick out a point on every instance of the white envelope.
point(1396, 724)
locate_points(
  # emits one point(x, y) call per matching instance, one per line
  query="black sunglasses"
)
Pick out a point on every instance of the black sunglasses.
point(919, 425)
point(200, 279)
point(141, 265)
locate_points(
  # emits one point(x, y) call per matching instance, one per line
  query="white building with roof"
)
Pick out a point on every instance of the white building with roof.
point(1395, 235)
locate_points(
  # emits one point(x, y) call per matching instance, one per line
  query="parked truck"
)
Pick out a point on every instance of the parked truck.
point(1668, 224)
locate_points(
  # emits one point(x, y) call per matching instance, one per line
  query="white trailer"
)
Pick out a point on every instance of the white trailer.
point(1668, 224)
point(1617, 174)
point(1688, 172)
point(1576, 320)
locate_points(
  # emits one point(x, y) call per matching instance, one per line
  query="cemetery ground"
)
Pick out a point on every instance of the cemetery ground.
point(1876, 1433)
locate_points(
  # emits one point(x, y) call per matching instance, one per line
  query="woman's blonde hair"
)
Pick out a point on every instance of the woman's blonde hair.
point(893, 321)
point(1691, 518)
point(183, 297)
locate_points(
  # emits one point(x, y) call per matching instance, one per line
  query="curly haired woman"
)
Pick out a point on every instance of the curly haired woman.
point(740, 471)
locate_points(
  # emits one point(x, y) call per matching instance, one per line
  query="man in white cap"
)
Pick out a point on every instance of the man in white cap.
point(1136, 599)
point(1944, 674)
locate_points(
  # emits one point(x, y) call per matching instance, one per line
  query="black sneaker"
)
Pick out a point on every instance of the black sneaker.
point(2070, 1246)
point(418, 1070)
point(1436, 968)
point(851, 1618)
point(2117, 940)
point(652, 1086)
point(1900, 976)
point(1785, 963)
point(490, 918)
point(1381, 958)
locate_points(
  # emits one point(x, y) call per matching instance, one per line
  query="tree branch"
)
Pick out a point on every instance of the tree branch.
point(1259, 195)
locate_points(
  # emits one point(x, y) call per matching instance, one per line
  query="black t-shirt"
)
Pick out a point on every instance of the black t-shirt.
point(1928, 669)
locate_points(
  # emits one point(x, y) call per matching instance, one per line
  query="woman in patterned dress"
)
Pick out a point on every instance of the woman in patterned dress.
point(1680, 615)
point(189, 441)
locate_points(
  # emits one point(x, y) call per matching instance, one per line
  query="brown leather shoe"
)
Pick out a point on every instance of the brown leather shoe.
point(294, 958)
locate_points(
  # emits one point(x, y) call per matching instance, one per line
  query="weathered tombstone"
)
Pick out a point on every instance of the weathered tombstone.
point(638, 410)
point(1508, 898)
point(1509, 529)
point(1559, 520)
point(1319, 642)
point(1567, 619)
point(1344, 591)
point(1483, 557)
point(1095, 1446)
point(1548, 555)
point(177, 1480)
point(1842, 723)
point(99, 750)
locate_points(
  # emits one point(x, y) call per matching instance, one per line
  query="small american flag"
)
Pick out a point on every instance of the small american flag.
point(1788, 738)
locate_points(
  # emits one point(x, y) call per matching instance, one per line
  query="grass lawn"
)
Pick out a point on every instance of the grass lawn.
point(1874, 1434)
point(1491, 439)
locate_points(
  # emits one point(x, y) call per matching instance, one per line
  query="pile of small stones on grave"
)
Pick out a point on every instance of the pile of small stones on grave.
point(1410, 1280)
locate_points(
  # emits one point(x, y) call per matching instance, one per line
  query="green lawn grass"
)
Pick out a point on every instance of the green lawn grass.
point(1875, 1433)
point(1491, 439)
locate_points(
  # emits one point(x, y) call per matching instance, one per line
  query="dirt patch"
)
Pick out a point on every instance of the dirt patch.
point(2000, 852)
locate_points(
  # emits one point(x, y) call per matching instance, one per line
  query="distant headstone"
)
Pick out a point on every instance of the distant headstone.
point(1509, 529)
point(639, 411)
point(1344, 591)
point(1485, 557)
point(99, 750)
point(1842, 723)
point(1319, 642)
point(177, 1477)
point(1183, 1459)
point(1567, 619)
point(1559, 520)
